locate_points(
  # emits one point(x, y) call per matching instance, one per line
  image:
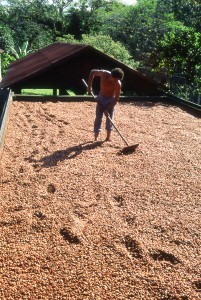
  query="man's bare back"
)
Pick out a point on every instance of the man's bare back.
point(109, 85)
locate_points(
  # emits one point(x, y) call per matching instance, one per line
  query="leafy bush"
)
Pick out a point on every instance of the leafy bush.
point(7, 59)
point(105, 44)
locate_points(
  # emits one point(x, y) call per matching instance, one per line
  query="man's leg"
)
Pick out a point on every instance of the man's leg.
point(96, 134)
point(108, 135)
point(109, 126)
point(98, 121)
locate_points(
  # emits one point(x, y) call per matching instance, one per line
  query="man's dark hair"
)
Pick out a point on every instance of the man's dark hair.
point(117, 73)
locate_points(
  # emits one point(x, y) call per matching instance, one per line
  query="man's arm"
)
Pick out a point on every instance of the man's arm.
point(117, 91)
point(116, 95)
point(93, 74)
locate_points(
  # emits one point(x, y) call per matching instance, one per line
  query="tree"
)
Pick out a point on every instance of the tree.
point(180, 51)
point(114, 22)
point(87, 16)
point(6, 38)
point(6, 61)
point(105, 44)
point(187, 12)
point(27, 26)
point(143, 29)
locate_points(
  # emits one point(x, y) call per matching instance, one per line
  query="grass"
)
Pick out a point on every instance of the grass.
point(45, 92)
point(37, 92)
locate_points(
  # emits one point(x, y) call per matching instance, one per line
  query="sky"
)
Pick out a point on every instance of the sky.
point(129, 1)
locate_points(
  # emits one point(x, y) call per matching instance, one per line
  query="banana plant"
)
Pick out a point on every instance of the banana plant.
point(22, 51)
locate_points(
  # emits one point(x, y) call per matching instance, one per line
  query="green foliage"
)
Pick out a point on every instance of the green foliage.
point(180, 51)
point(114, 22)
point(147, 24)
point(158, 34)
point(6, 39)
point(21, 51)
point(68, 38)
point(27, 22)
point(87, 16)
point(106, 45)
point(188, 12)
point(6, 61)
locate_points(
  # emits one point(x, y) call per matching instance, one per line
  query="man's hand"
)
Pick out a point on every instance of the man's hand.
point(106, 113)
point(90, 92)
point(112, 105)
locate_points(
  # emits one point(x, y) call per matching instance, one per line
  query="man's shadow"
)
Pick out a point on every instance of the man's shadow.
point(60, 155)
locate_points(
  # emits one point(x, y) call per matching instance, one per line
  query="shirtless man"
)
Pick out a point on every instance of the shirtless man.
point(110, 88)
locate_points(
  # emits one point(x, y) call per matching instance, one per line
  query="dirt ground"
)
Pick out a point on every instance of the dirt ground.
point(80, 221)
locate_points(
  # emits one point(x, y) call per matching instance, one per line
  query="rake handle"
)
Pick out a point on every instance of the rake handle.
point(117, 130)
